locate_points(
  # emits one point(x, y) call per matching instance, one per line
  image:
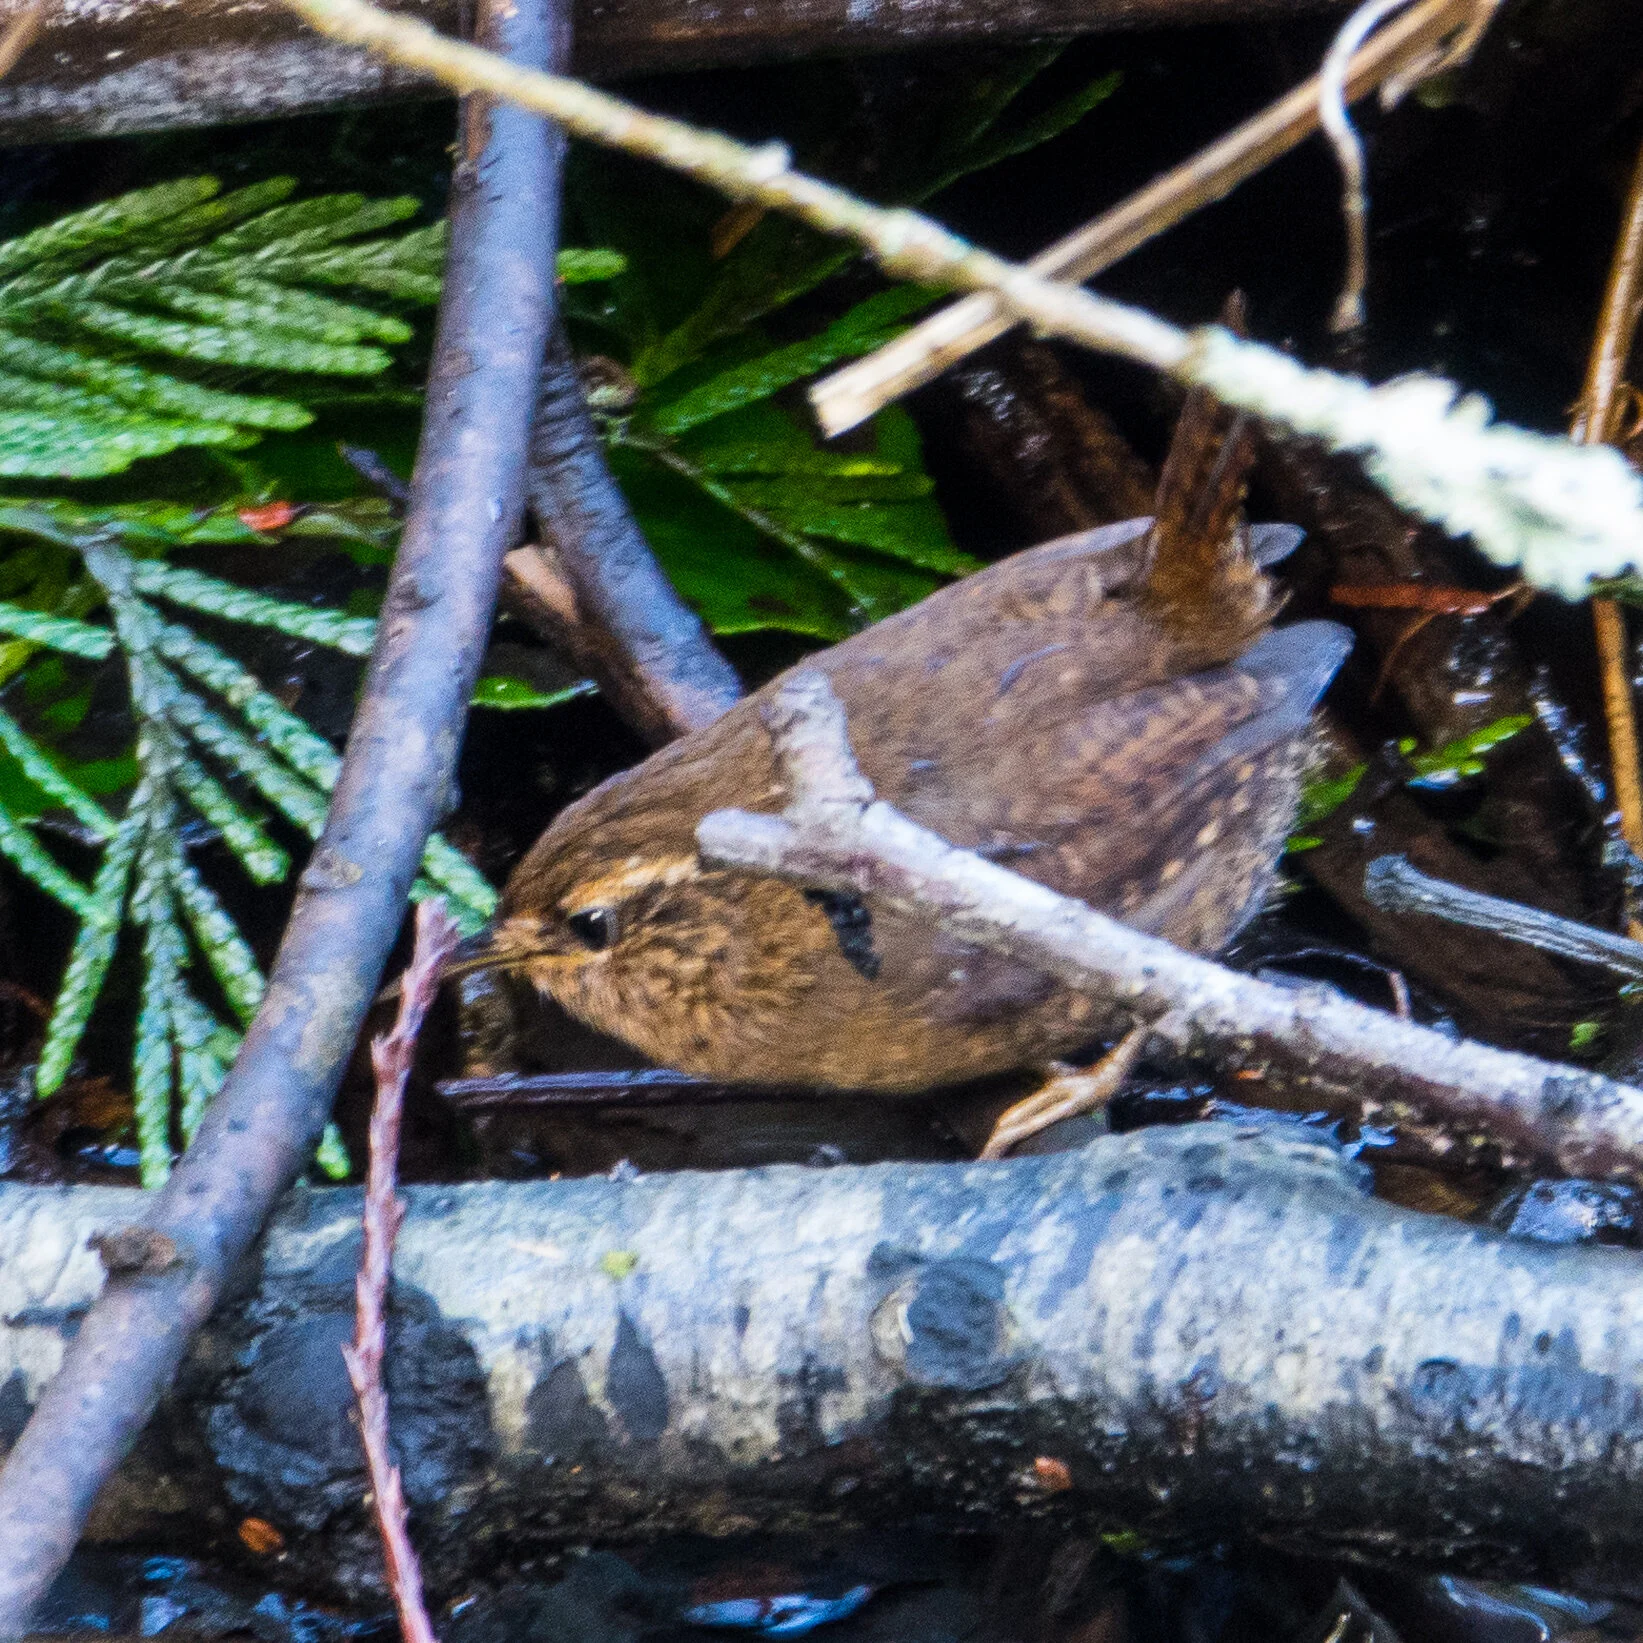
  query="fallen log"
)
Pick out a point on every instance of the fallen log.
point(106, 67)
point(1202, 1334)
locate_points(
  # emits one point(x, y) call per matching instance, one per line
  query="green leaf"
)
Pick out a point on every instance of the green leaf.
point(758, 457)
point(735, 578)
point(496, 690)
point(1323, 796)
point(332, 1155)
point(998, 146)
point(585, 267)
point(912, 531)
point(1463, 757)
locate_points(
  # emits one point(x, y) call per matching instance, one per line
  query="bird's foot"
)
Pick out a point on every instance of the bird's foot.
point(1067, 1093)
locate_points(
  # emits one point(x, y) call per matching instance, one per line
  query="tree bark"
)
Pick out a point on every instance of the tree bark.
point(1216, 1334)
point(111, 66)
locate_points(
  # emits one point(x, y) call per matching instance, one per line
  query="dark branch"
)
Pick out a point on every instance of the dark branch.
point(1396, 885)
point(595, 589)
point(395, 782)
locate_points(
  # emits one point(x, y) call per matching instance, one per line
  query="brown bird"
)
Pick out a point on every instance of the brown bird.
point(1110, 714)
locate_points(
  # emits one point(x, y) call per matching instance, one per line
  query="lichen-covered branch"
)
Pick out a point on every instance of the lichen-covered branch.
point(1466, 1096)
point(1564, 513)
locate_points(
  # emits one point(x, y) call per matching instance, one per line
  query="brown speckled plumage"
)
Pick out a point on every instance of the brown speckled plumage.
point(1071, 712)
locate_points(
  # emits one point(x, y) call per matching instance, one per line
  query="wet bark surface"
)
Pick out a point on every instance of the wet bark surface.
point(1199, 1335)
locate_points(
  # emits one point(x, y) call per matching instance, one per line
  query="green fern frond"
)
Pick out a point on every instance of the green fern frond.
point(76, 237)
point(292, 230)
point(212, 743)
point(353, 635)
point(145, 390)
point(209, 282)
point(94, 946)
point(124, 327)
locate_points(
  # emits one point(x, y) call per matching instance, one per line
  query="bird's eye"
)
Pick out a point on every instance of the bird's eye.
point(595, 926)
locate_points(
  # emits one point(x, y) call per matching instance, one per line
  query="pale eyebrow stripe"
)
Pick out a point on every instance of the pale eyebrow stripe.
point(643, 875)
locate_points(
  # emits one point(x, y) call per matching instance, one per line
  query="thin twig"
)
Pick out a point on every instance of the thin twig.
point(20, 34)
point(1385, 1070)
point(396, 777)
point(1343, 138)
point(1593, 423)
point(391, 1058)
point(1564, 514)
point(1395, 885)
point(867, 385)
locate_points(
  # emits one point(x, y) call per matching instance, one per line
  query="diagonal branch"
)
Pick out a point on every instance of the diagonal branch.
point(395, 780)
point(836, 836)
point(858, 390)
point(595, 589)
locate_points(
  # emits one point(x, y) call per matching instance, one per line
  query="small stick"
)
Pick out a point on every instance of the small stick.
point(378, 475)
point(619, 1087)
point(851, 395)
point(1593, 423)
point(1385, 1070)
point(20, 34)
point(391, 1058)
point(1396, 885)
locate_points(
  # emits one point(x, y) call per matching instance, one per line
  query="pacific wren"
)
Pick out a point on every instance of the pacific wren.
point(1110, 714)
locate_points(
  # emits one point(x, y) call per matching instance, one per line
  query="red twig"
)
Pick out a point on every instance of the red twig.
point(1422, 596)
point(391, 1057)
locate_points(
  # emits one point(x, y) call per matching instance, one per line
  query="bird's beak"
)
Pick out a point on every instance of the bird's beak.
point(477, 952)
